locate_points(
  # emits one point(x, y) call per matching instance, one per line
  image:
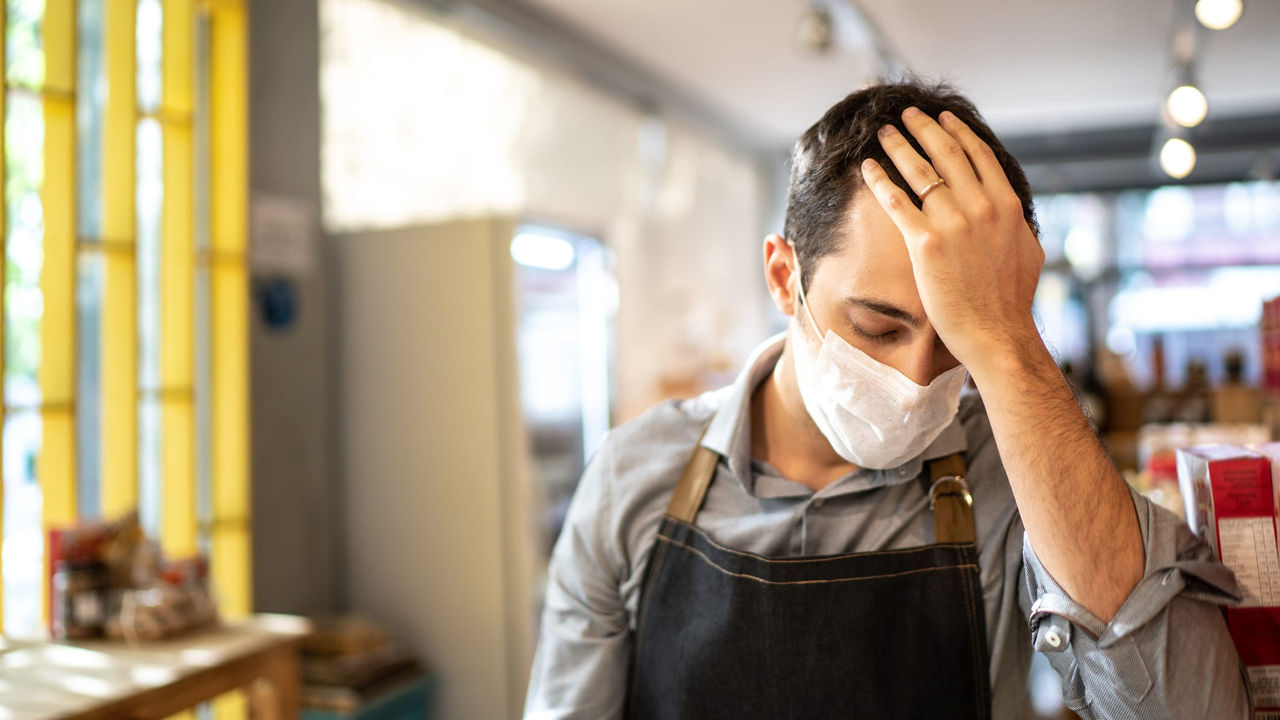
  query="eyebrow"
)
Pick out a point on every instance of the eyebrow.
point(885, 309)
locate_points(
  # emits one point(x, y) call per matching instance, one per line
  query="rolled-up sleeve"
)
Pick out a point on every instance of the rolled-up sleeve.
point(580, 665)
point(1166, 653)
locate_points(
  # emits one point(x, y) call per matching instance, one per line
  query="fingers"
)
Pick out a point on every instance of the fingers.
point(909, 219)
point(917, 171)
point(948, 156)
point(981, 157)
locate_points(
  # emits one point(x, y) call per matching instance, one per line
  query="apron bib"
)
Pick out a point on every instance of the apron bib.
point(728, 634)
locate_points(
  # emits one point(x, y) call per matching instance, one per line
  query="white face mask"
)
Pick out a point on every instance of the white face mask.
point(873, 415)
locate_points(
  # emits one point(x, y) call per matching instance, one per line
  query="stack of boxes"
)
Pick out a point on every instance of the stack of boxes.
point(1231, 496)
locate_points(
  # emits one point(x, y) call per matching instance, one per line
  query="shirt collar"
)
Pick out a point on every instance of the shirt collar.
point(729, 432)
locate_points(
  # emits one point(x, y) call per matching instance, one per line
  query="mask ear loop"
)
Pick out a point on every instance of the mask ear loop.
point(800, 290)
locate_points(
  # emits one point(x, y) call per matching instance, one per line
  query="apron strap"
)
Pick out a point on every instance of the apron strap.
point(694, 482)
point(949, 496)
point(950, 500)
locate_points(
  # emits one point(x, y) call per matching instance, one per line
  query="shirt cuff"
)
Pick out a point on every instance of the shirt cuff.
point(1177, 563)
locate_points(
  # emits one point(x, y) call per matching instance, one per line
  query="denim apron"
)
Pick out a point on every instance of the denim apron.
point(723, 633)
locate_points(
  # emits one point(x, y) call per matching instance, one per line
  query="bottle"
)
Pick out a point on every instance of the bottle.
point(1234, 401)
point(1194, 406)
point(1158, 404)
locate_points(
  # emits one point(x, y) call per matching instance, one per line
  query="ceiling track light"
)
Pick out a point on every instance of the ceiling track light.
point(1218, 14)
point(814, 32)
point(1177, 157)
point(1185, 104)
point(825, 28)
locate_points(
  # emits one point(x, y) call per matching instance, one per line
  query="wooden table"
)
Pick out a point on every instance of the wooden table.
point(99, 679)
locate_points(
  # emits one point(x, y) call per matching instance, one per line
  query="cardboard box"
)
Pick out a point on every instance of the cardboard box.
point(1230, 501)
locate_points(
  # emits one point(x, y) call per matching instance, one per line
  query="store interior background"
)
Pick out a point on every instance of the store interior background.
point(525, 221)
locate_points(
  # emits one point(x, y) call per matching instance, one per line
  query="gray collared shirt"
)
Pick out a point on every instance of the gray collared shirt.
point(1165, 654)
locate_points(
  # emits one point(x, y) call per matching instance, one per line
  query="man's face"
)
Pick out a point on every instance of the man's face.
point(866, 293)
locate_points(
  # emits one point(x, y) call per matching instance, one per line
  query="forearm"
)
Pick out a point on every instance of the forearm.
point(1166, 653)
point(1077, 511)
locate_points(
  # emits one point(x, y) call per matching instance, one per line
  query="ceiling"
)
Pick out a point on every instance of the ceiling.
point(1031, 66)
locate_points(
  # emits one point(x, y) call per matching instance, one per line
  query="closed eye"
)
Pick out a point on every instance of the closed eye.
point(883, 337)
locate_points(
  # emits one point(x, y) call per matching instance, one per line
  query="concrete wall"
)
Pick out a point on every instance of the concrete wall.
point(488, 130)
point(294, 527)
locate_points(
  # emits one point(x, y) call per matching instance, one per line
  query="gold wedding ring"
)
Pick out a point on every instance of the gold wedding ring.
point(930, 187)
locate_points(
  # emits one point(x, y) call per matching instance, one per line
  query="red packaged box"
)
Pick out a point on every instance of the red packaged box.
point(1230, 501)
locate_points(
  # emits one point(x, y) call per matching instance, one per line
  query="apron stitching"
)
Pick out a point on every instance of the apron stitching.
point(977, 657)
point(820, 558)
point(713, 564)
point(968, 604)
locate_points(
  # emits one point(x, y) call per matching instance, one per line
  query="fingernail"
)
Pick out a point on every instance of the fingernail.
point(888, 130)
point(946, 116)
point(869, 165)
point(911, 112)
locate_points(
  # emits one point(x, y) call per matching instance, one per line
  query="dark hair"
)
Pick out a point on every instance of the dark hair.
point(826, 163)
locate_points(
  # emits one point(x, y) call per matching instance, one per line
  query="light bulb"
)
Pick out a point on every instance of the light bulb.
point(1218, 14)
point(1177, 158)
point(1187, 105)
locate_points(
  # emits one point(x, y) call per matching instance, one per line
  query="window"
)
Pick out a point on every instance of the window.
point(125, 369)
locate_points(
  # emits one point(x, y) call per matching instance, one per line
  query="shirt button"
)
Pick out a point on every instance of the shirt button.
point(1053, 638)
point(819, 502)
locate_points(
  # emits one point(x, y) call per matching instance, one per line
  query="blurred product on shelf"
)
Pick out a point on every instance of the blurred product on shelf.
point(1141, 428)
point(351, 669)
point(1194, 402)
point(1120, 395)
point(1157, 476)
point(1271, 365)
point(1231, 501)
point(1271, 347)
point(1234, 401)
point(1160, 405)
point(109, 579)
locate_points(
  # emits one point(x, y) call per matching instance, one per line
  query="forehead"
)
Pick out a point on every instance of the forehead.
point(871, 260)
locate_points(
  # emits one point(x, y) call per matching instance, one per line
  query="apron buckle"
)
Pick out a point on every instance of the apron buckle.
point(958, 480)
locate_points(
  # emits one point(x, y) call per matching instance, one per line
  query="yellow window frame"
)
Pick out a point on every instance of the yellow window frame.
point(229, 305)
point(224, 259)
point(119, 234)
point(56, 461)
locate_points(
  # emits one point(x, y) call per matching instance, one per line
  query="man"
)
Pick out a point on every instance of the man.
point(839, 533)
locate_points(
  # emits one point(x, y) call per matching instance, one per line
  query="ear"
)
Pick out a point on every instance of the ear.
point(779, 273)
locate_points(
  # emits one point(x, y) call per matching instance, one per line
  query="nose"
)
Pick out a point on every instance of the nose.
point(926, 359)
point(920, 367)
